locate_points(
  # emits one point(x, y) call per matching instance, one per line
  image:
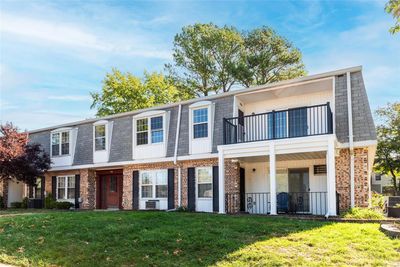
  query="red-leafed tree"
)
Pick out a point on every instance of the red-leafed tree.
point(20, 159)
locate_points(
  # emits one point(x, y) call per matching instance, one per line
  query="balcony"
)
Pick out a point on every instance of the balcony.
point(281, 124)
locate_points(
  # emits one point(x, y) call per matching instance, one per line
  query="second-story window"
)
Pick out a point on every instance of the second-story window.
point(100, 137)
point(200, 123)
point(153, 125)
point(60, 143)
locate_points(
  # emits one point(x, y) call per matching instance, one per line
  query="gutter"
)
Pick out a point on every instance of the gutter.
point(351, 139)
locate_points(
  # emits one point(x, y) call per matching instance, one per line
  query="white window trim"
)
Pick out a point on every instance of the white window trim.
point(148, 116)
point(60, 131)
point(153, 185)
point(99, 123)
point(199, 105)
point(197, 183)
point(65, 188)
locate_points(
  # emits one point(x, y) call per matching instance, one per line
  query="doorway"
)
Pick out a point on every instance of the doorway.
point(110, 188)
point(299, 190)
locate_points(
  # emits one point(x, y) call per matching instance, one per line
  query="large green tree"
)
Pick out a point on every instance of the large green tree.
point(387, 160)
point(393, 7)
point(122, 92)
point(208, 58)
point(267, 57)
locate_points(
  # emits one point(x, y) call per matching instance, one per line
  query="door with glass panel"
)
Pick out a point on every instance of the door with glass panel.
point(299, 190)
point(111, 191)
point(204, 189)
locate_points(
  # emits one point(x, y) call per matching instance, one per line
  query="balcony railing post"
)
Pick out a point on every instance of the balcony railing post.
point(273, 124)
point(224, 130)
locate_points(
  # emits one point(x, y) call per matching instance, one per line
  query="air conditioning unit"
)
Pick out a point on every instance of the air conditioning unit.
point(152, 205)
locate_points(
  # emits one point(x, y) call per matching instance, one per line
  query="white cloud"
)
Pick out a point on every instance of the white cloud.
point(70, 97)
point(52, 32)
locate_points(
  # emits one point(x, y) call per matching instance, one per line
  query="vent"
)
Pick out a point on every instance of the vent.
point(319, 169)
point(152, 205)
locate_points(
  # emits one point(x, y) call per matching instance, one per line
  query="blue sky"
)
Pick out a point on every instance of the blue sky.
point(53, 53)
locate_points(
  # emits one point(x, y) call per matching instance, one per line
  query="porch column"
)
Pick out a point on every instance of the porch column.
point(331, 178)
point(272, 177)
point(221, 181)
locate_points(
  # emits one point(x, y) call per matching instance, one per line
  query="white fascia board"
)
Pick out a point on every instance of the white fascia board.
point(365, 143)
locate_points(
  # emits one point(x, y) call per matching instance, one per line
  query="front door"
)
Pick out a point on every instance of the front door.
point(299, 190)
point(111, 191)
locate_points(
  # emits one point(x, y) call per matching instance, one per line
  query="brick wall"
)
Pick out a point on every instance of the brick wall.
point(87, 185)
point(360, 177)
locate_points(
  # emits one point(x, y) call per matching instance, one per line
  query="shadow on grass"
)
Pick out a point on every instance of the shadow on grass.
point(139, 238)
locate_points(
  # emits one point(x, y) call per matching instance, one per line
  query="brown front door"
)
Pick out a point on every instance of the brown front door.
point(111, 191)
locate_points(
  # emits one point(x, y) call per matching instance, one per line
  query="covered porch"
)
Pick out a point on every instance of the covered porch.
point(296, 177)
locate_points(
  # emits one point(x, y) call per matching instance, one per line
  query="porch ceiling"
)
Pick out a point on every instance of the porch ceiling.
point(287, 157)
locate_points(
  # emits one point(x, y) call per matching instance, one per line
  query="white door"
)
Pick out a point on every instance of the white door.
point(15, 192)
point(204, 192)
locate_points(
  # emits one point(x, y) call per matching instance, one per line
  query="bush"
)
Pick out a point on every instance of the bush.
point(24, 203)
point(363, 213)
point(1, 202)
point(64, 205)
point(16, 205)
point(49, 202)
point(378, 201)
point(182, 209)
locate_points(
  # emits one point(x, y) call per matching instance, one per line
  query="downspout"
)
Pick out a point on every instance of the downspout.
point(178, 126)
point(351, 143)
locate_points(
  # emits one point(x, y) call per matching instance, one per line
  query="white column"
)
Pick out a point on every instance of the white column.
point(272, 177)
point(221, 181)
point(331, 178)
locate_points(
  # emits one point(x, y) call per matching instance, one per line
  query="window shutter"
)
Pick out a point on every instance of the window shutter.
point(171, 191)
point(43, 184)
point(191, 189)
point(54, 187)
point(135, 190)
point(30, 191)
point(77, 190)
point(215, 189)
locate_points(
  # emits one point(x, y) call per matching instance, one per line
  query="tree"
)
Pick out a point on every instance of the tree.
point(122, 92)
point(203, 57)
point(267, 57)
point(18, 158)
point(387, 160)
point(393, 7)
point(208, 58)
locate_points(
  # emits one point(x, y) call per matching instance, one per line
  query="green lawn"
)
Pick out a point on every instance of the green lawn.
point(165, 239)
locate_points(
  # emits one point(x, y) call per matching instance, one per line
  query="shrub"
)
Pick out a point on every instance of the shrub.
point(363, 213)
point(16, 205)
point(378, 201)
point(182, 209)
point(64, 205)
point(24, 203)
point(49, 202)
point(1, 202)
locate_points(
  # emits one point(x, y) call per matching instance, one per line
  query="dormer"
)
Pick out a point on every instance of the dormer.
point(102, 133)
point(62, 148)
point(150, 134)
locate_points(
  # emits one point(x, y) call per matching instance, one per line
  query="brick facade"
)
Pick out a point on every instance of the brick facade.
point(4, 192)
point(361, 179)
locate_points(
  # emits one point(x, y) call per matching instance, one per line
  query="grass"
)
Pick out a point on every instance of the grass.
point(364, 213)
point(189, 239)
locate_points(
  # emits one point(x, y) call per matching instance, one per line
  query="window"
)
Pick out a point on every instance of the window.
point(154, 184)
point(279, 131)
point(155, 125)
point(142, 131)
point(60, 144)
point(100, 137)
point(200, 123)
point(65, 187)
point(204, 183)
point(113, 184)
point(377, 177)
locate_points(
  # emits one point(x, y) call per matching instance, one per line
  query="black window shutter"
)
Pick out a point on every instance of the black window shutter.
point(215, 189)
point(77, 190)
point(43, 189)
point(54, 187)
point(191, 189)
point(135, 190)
point(171, 192)
point(30, 191)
